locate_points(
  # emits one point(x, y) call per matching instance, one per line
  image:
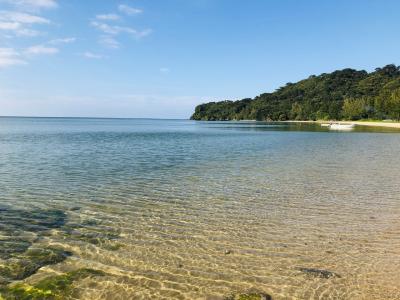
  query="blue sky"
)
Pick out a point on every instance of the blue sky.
point(159, 58)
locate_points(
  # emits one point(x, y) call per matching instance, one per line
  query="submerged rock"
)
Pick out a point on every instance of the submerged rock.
point(30, 220)
point(249, 295)
point(24, 265)
point(94, 237)
point(75, 208)
point(19, 228)
point(13, 245)
point(90, 231)
point(52, 288)
point(319, 273)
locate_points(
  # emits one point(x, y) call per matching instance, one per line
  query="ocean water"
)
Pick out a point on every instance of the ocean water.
point(176, 209)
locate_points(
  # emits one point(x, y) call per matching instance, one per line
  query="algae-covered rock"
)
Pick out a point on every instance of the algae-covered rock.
point(24, 292)
point(52, 288)
point(10, 246)
point(27, 264)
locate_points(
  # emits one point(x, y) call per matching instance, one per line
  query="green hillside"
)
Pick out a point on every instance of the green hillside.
point(344, 94)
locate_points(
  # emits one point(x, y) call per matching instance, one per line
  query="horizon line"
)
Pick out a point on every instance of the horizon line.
point(80, 117)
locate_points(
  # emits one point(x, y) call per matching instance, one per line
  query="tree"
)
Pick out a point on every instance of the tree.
point(296, 112)
point(393, 104)
point(353, 109)
point(346, 93)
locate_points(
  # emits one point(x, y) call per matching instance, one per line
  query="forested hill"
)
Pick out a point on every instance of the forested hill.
point(345, 94)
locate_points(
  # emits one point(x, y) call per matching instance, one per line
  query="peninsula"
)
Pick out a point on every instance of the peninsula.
point(345, 94)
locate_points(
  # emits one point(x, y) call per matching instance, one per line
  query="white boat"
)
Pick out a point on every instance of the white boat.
point(339, 126)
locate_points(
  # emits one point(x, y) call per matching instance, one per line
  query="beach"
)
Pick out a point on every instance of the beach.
point(377, 124)
point(358, 123)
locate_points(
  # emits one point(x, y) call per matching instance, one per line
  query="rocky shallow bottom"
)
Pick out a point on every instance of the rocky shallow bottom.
point(24, 250)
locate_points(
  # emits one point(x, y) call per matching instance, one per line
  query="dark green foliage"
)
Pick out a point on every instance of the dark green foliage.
point(318, 97)
point(52, 288)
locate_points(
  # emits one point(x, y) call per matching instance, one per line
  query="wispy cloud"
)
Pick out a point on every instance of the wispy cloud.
point(115, 30)
point(128, 10)
point(28, 32)
point(105, 27)
point(109, 42)
point(10, 57)
point(92, 55)
point(110, 31)
point(62, 41)
point(22, 18)
point(28, 5)
point(41, 50)
point(108, 17)
point(9, 26)
point(20, 24)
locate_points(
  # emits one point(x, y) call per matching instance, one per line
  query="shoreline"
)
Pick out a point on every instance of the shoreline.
point(358, 123)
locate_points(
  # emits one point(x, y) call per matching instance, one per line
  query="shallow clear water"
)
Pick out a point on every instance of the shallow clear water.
point(173, 209)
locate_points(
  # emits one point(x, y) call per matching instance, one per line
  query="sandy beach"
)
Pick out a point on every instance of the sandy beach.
point(360, 123)
point(379, 124)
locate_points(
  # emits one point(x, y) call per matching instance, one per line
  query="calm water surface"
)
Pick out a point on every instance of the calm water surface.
point(196, 210)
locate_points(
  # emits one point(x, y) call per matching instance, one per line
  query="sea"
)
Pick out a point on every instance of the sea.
point(180, 209)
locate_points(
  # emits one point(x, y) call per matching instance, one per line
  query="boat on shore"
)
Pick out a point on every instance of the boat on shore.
point(338, 126)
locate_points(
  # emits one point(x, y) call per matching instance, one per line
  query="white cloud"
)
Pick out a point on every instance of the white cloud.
point(62, 41)
point(105, 27)
point(115, 30)
point(108, 17)
point(109, 42)
point(27, 32)
point(129, 10)
point(110, 31)
point(143, 33)
point(9, 25)
point(41, 50)
point(91, 55)
point(24, 18)
point(19, 23)
point(10, 57)
point(32, 4)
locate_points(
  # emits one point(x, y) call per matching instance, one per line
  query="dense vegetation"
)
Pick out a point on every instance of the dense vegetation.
point(345, 94)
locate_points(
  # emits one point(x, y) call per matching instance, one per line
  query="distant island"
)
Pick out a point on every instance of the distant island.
point(345, 94)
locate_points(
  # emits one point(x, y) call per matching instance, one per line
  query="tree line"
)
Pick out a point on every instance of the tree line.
point(344, 94)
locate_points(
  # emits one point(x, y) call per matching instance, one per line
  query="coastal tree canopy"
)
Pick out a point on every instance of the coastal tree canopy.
point(342, 94)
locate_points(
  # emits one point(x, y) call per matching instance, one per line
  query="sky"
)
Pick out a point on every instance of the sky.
point(160, 58)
